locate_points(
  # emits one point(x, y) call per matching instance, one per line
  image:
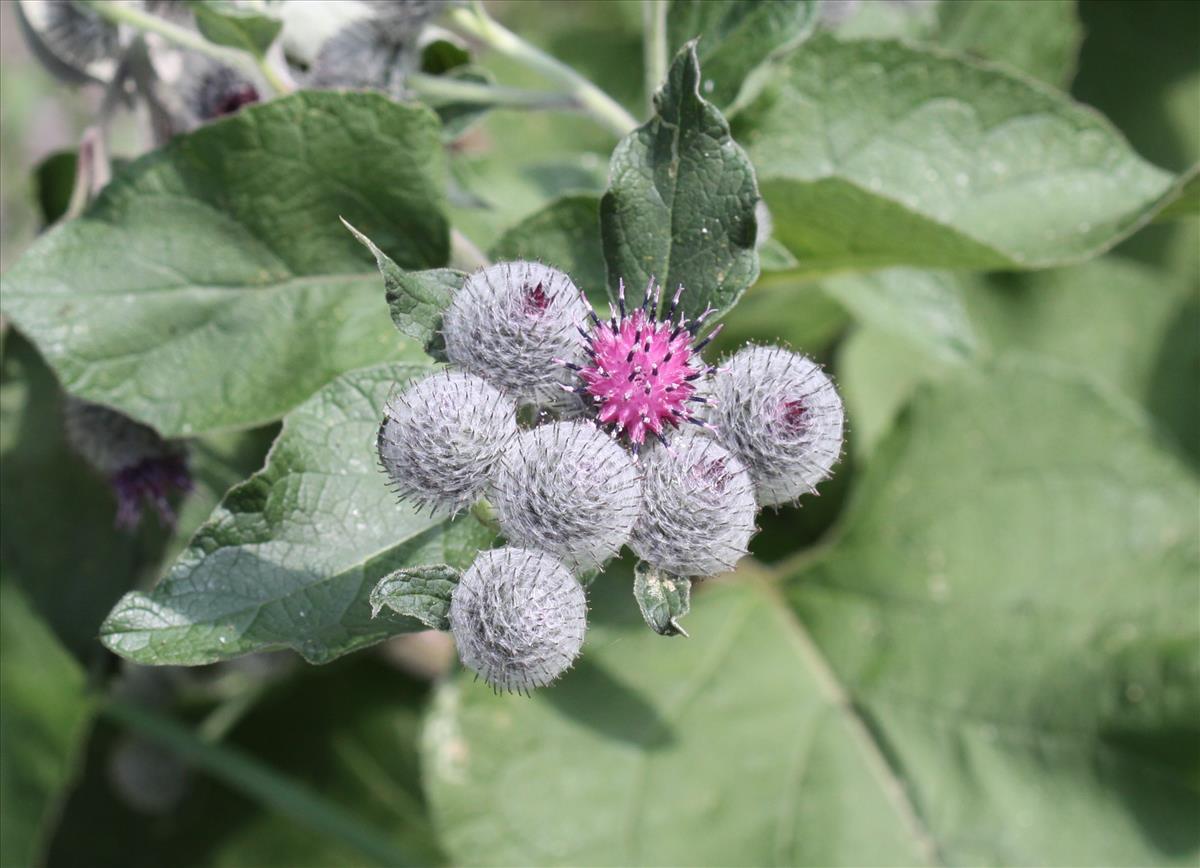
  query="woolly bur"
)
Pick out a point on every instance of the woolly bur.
point(778, 412)
point(518, 618)
point(511, 323)
point(569, 489)
point(441, 438)
point(698, 507)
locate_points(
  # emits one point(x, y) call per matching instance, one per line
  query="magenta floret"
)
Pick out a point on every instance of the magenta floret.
point(641, 371)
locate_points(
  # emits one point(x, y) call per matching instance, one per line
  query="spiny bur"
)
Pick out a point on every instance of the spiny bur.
point(698, 507)
point(512, 323)
point(781, 415)
point(441, 438)
point(569, 489)
point(518, 618)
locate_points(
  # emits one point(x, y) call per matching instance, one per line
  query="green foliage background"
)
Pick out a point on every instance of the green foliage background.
point(981, 644)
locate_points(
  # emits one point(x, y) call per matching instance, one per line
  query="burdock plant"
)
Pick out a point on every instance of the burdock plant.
point(568, 493)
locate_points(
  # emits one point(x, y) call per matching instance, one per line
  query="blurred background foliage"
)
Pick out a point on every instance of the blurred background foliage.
point(227, 762)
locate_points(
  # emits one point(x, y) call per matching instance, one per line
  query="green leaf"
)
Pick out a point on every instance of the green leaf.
point(662, 598)
point(872, 154)
point(782, 309)
point(225, 23)
point(680, 200)
point(727, 752)
point(420, 592)
point(1186, 199)
point(736, 37)
point(1040, 38)
point(45, 717)
point(210, 285)
point(1139, 339)
point(1037, 37)
point(924, 306)
point(291, 555)
point(878, 371)
point(1012, 609)
point(416, 299)
point(564, 234)
point(993, 664)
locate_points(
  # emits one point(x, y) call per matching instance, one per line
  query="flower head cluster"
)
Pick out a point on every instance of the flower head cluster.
point(652, 448)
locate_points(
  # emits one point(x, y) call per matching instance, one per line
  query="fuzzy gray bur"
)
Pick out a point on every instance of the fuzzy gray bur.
point(518, 617)
point(442, 437)
point(780, 414)
point(569, 489)
point(514, 324)
point(698, 507)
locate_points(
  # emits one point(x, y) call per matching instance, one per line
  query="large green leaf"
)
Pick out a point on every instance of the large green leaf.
point(723, 749)
point(927, 307)
point(736, 37)
point(782, 309)
point(1126, 325)
point(1012, 609)
point(1038, 37)
point(877, 153)
point(211, 285)
point(680, 199)
point(993, 664)
point(44, 716)
point(291, 555)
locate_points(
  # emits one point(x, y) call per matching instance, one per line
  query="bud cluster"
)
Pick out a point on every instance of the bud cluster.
point(587, 434)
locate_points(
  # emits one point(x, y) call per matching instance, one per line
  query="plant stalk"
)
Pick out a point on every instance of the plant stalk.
point(119, 13)
point(436, 89)
point(474, 23)
point(654, 46)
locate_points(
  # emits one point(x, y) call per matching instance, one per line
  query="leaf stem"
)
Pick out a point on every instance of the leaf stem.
point(119, 13)
point(258, 781)
point(436, 89)
point(654, 45)
point(474, 22)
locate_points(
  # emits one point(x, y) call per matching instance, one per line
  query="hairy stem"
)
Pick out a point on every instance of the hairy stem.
point(120, 13)
point(654, 45)
point(474, 23)
point(435, 89)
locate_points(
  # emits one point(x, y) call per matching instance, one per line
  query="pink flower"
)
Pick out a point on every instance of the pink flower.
point(642, 370)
